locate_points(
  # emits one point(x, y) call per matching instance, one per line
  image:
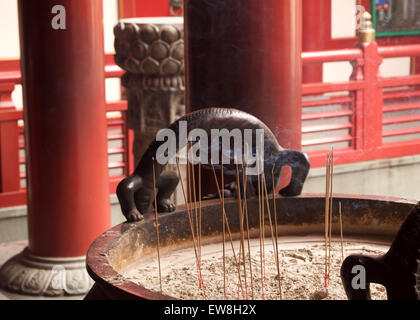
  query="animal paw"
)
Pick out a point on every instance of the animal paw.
point(165, 205)
point(134, 215)
point(228, 193)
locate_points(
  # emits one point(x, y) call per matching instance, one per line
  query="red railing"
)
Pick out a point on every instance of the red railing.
point(367, 117)
point(12, 155)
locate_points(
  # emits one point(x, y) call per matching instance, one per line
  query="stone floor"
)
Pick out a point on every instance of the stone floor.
point(8, 250)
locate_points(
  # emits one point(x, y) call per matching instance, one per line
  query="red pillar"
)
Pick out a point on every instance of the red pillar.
point(9, 143)
point(314, 12)
point(143, 8)
point(65, 126)
point(247, 54)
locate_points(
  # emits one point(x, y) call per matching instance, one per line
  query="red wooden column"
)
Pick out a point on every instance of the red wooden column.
point(247, 54)
point(66, 145)
point(65, 126)
point(314, 17)
point(9, 142)
point(143, 8)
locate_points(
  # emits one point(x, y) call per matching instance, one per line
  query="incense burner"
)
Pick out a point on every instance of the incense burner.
point(374, 219)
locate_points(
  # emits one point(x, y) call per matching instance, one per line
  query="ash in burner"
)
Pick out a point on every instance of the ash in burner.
point(302, 267)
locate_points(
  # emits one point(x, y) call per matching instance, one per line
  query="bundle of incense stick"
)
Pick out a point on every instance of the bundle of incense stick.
point(192, 190)
point(225, 219)
point(188, 206)
point(328, 213)
point(274, 239)
point(276, 233)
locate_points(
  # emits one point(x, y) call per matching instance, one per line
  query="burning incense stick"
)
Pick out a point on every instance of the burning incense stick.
point(341, 231)
point(327, 207)
point(260, 226)
point(189, 184)
point(199, 221)
point(269, 212)
point(263, 222)
point(265, 193)
point(224, 230)
point(241, 228)
point(157, 223)
point(328, 213)
point(194, 199)
point(190, 219)
point(331, 207)
point(245, 208)
point(188, 213)
point(276, 232)
point(186, 205)
point(199, 205)
point(227, 226)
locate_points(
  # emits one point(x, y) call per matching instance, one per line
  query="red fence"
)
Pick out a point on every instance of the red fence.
point(367, 117)
point(12, 155)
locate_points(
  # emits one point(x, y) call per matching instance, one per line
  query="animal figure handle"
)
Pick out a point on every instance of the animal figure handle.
point(358, 272)
point(300, 165)
point(397, 270)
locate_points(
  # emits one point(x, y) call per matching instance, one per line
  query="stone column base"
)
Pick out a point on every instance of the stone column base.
point(28, 274)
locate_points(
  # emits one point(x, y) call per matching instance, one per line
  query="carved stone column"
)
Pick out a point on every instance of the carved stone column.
point(151, 51)
point(29, 274)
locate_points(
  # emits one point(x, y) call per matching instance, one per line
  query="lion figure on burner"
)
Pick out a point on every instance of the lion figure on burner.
point(135, 192)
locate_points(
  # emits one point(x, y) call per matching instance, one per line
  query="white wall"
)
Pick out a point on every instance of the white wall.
point(110, 12)
point(9, 39)
point(395, 67)
point(343, 19)
point(9, 34)
point(390, 67)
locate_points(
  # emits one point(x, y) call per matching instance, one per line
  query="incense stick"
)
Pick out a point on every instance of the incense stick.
point(263, 223)
point(200, 216)
point(241, 228)
point(191, 223)
point(245, 208)
point(276, 232)
point(194, 199)
point(268, 211)
point(227, 225)
point(189, 188)
point(331, 208)
point(327, 202)
point(224, 230)
point(265, 193)
point(191, 220)
point(341, 231)
point(260, 226)
point(157, 223)
point(199, 200)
